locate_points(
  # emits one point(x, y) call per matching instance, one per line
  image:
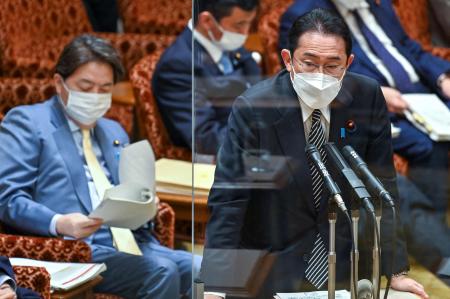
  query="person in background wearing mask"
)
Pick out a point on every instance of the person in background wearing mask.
point(222, 69)
point(311, 101)
point(384, 52)
point(58, 158)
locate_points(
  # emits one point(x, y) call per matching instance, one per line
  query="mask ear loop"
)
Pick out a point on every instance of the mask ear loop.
point(292, 63)
point(211, 36)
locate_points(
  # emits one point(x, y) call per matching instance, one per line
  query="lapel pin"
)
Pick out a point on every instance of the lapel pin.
point(350, 125)
point(237, 56)
point(116, 142)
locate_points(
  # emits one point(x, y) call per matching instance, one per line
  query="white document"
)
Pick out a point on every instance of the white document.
point(341, 294)
point(64, 276)
point(131, 203)
point(429, 114)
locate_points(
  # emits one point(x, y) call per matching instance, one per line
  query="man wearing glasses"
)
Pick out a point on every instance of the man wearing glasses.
point(312, 101)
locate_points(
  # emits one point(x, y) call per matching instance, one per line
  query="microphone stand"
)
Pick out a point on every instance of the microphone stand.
point(332, 217)
point(376, 252)
point(354, 256)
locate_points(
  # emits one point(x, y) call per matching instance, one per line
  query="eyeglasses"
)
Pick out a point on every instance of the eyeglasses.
point(331, 69)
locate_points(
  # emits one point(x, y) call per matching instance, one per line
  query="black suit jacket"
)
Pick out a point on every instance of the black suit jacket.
point(268, 117)
point(214, 92)
point(5, 268)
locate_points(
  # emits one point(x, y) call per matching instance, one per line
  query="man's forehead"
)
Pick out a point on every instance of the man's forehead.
point(316, 43)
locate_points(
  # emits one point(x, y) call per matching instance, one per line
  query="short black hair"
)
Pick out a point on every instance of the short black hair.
point(222, 8)
point(88, 48)
point(320, 20)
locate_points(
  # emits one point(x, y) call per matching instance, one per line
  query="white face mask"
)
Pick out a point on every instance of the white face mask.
point(229, 41)
point(317, 90)
point(87, 107)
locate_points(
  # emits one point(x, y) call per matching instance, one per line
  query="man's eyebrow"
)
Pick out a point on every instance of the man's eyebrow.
point(92, 83)
point(332, 57)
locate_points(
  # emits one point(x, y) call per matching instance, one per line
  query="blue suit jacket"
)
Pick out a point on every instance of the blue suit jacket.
point(42, 172)
point(6, 268)
point(214, 92)
point(428, 67)
point(284, 219)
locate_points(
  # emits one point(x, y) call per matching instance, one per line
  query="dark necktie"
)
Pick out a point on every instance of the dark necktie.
point(398, 72)
point(317, 270)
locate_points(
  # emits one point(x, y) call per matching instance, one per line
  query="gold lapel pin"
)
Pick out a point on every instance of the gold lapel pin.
point(116, 142)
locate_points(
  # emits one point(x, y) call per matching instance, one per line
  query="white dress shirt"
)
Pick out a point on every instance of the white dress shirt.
point(346, 8)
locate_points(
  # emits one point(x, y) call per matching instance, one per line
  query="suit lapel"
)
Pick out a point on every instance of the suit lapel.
point(109, 149)
point(293, 144)
point(69, 152)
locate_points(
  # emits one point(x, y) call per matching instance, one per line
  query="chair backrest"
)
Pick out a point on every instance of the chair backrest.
point(413, 15)
point(26, 91)
point(268, 29)
point(156, 16)
point(149, 118)
point(25, 23)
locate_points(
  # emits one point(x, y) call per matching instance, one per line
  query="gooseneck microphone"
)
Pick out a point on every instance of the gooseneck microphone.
point(365, 289)
point(314, 157)
point(360, 167)
point(355, 183)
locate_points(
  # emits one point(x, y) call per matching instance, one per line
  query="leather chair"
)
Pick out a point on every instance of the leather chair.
point(414, 16)
point(148, 115)
point(34, 33)
point(168, 17)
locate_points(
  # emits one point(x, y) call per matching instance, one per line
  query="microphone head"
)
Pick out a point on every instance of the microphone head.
point(365, 289)
point(312, 152)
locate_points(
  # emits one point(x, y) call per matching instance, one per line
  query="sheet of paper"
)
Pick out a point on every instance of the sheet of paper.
point(177, 172)
point(137, 165)
point(127, 205)
point(341, 294)
point(64, 276)
point(433, 111)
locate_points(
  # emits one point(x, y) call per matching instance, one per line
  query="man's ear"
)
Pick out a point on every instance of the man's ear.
point(58, 81)
point(286, 56)
point(350, 60)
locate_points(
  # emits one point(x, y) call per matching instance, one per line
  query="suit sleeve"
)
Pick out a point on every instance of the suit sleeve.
point(379, 159)
point(229, 205)
point(429, 66)
point(19, 153)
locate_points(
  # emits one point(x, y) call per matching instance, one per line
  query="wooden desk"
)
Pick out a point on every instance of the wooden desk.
point(182, 205)
point(80, 292)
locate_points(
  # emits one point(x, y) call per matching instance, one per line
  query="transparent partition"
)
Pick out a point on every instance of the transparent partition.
point(305, 179)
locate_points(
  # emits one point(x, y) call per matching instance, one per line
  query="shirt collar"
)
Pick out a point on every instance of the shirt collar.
point(213, 50)
point(346, 5)
point(307, 111)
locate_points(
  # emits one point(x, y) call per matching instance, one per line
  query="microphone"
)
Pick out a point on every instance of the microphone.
point(365, 289)
point(372, 182)
point(356, 184)
point(314, 157)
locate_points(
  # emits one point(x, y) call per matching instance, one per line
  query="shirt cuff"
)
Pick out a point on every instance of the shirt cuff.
point(223, 295)
point(52, 227)
point(6, 279)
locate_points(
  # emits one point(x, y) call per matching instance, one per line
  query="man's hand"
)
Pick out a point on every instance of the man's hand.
point(394, 100)
point(6, 292)
point(406, 284)
point(77, 225)
point(445, 87)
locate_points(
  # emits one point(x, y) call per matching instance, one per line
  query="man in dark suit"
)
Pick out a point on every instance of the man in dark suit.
point(312, 101)
point(222, 70)
point(385, 53)
point(8, 287)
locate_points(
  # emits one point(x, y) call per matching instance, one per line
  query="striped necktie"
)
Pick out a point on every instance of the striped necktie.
point(123, 238)
point(317, 270)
